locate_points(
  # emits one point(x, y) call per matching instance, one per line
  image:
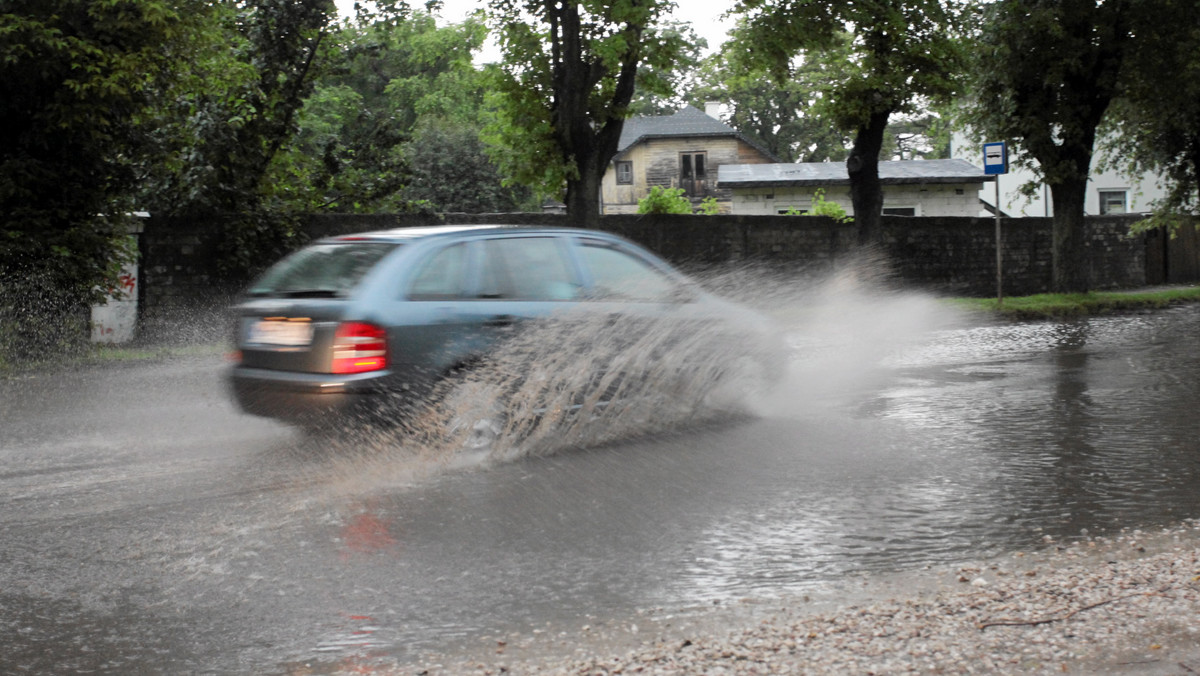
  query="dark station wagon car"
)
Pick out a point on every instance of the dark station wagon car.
point(335, 327)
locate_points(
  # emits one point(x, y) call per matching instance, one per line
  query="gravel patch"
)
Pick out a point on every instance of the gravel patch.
point(1127, 604)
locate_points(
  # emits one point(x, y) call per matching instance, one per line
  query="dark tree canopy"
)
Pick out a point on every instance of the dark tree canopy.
point(1154, 126)
point(784, 116)
point(570, 72)
point(898, 54)
point(81, 83)
point(75, 77)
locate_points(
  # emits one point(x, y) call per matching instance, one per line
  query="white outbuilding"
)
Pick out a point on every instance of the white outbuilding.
point(910, 187)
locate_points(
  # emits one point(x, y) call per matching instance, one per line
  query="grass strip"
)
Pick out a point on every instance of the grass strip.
point(1059, 305)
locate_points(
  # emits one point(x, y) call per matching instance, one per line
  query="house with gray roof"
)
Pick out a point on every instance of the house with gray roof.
point(684, 150)
point(910, 187)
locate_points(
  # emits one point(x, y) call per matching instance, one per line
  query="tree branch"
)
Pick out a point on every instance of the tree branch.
point(1073, 613)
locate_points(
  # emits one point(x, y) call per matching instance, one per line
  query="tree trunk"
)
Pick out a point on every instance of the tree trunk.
point(1070, 251)
point(586, 137)
point(583, 197)
point(1195, 157)
point(866, 192)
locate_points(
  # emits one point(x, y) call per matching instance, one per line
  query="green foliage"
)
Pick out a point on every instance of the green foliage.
point(311, 116)
point(1155, 129)
point(452, 172)
point(1044, 75)
point(892, 57)
point(1057, 305)
point(77, 80)
point(350, 152)
point(708, 207)
point(662, 200)
point(658, 91)
point(38, 317)
point(233, 133)
point(784, 116)
point(569, 74)
point(793, 117)
point(821, 207)
point(924, 136)
point(1167, 218)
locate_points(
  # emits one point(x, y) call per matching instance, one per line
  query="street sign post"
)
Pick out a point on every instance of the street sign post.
point(995, 158)
point(995, 163)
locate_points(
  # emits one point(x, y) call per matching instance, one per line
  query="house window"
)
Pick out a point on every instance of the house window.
point(1112, 202)
point(625, 173)
point(899, 211)
point(691, 166)
point(693, 174)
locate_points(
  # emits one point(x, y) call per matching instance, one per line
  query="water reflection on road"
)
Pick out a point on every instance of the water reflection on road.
point(169, 534)
point(985, 440)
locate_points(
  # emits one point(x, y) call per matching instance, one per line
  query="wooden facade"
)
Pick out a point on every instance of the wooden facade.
point(680, 151)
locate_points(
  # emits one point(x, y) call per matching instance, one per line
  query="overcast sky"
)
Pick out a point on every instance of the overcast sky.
point(704, 17)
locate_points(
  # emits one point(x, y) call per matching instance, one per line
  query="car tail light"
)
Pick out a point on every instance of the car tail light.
point(359, 347)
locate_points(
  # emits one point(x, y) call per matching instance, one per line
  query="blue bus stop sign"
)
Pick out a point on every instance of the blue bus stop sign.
point(995, 158)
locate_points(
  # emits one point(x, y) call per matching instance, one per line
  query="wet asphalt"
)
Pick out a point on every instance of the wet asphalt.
point(148, 527)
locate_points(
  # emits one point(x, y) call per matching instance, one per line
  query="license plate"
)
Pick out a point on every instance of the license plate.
point(280, 333)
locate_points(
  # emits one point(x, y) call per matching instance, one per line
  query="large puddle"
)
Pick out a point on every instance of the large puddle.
point(899, 436)
point(155, 530)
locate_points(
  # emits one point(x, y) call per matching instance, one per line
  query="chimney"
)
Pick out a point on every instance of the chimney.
point(712, 109)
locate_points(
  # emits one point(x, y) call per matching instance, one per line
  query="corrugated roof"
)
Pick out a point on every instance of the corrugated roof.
point(834, 173)
point(687, 122)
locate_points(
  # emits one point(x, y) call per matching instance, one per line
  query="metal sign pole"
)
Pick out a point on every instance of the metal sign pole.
point(999, 252)
point(995, 163)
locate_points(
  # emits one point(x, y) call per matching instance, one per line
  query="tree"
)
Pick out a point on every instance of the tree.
point(1045, 75)
point(783, 116)
point(450, 171)
point(899, 54)
point(386, 80)
point(234, 134)
point(925, 135)
point(660, 92)
point(77, 80)
point(1152, 128)
point(570, 72)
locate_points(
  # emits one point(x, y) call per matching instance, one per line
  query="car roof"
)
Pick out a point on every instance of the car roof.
point(423, 232)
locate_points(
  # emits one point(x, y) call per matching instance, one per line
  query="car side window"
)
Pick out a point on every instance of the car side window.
point(442, 276)
point(527, 268)
point(619, 275)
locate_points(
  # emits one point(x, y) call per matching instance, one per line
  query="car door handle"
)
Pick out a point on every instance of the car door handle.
point(500, 320)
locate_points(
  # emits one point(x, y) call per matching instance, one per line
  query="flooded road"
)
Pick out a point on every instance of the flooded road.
point(147, 527)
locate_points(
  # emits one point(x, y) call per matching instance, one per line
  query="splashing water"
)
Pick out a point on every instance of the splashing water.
point(846, 333)
point(576, 380)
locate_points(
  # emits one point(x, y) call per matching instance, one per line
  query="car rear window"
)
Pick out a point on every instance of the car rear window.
point(322, 270)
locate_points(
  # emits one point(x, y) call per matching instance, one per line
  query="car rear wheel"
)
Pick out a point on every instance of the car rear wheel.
point(473, 415)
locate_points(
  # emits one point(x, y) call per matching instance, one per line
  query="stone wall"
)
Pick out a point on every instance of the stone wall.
point(181, 293)
point(951, 256)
